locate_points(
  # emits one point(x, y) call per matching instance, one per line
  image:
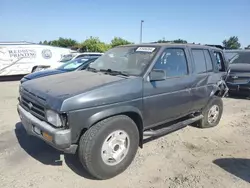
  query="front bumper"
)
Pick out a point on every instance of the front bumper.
point(239, 89)
point(57, 138)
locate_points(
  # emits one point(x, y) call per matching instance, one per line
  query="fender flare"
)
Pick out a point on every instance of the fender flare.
point(111, 112)
point(115, 111)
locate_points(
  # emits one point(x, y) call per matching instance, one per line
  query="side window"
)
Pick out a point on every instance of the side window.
point(199, 61)
point(208, 60)
point(219, 60)
point(174, 62)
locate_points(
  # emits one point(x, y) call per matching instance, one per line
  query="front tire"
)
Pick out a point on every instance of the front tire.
point(212, 113)
point(109, 147)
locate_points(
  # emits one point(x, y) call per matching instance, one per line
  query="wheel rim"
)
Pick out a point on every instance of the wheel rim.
point(213, 114)
point(115, 147)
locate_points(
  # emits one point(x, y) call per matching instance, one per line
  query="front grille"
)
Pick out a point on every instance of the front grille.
point(33, 107)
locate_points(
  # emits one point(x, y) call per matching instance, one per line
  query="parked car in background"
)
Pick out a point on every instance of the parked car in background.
point(68, 57)
point(75, 55)
point(73, 65)
point(238, 80)
point(104, 112)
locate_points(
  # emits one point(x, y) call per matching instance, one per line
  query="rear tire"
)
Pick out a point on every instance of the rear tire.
point(109, 147)
point(212, 113)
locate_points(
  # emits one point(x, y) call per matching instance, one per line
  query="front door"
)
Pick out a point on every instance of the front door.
point(171, 98)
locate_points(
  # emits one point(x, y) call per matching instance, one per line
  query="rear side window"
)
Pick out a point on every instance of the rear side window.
point(199, 61)
point(220, 61)
point(208, 61)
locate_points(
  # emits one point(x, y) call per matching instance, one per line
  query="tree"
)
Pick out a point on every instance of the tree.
point(163, 40)
point(93, 44)
point(45, 42)
point(117, 41)
point(248, 47)
point(63, 42)
point(181, 41)
point(232, 43)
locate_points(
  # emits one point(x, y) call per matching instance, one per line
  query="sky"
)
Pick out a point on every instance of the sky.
point(197, 21)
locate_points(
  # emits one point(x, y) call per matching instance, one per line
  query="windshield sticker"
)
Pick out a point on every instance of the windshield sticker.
point(145, 49)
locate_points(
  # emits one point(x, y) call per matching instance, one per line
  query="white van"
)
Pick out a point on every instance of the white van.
point(20, 58)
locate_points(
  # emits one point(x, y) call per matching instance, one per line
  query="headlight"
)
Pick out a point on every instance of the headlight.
point(53, 118)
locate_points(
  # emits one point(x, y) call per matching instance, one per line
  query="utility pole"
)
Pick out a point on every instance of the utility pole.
point(141, 31)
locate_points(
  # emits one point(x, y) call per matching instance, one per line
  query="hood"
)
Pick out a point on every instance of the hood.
point(43, 73)
point(56, 88)
point(240, 67)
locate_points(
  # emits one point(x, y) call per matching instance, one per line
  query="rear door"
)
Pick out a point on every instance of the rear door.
point(203, 73)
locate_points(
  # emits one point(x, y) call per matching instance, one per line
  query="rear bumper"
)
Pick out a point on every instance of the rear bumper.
point(57, 138)
point(239, 89)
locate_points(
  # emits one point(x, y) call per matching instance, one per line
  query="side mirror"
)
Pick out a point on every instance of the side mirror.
point(157, 75)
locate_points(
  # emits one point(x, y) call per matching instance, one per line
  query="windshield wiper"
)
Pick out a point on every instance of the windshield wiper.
point(92, 69)
point(114, 72)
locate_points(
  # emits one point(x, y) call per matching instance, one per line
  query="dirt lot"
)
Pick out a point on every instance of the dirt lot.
point(191, 157)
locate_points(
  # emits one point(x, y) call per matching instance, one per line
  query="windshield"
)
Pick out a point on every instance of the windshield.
point(238, 57)
point(74, 64)
point(133, 59)
point(67, 57)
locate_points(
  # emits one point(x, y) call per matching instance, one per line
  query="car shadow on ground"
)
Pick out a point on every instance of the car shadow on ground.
point(236, 166)
point(46, 154)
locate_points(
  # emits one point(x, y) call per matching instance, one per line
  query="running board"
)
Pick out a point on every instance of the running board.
point(173, 127)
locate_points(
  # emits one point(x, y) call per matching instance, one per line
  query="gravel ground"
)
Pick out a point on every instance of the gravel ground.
point(189, 158)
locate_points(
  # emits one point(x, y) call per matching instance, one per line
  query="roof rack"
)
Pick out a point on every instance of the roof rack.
point(215, 45)
point(211, 45)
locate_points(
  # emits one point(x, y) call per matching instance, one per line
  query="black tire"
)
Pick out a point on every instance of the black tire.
point(204, 123)
point(91, 142)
